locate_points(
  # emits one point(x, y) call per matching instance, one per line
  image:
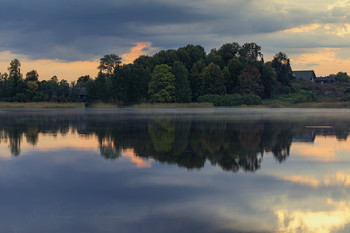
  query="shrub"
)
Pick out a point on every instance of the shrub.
point(345, 99)
point(20, 97)
point(251, 99)
point(230, 100)
point(282, 90)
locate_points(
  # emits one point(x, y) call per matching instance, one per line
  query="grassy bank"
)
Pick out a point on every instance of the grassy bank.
point(265, 104)
point(40, 105)
point(174, 105)
point(306, 105)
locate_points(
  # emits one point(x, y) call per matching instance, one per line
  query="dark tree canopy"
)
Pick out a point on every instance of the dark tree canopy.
point(213, 81)
point(162, 85)
point(15, 68)
point(229, 51)
point(281, 65)
point(109, 62)
point(250, 82)
point(250, 52)
point(32, 76)
point(182, 84)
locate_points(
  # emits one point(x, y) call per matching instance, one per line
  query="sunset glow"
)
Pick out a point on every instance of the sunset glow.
point(138, 161)
point(309, 221)
point(323, 149)
point(141, 48)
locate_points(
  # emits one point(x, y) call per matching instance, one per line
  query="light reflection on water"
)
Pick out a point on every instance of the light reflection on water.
point(217, 170)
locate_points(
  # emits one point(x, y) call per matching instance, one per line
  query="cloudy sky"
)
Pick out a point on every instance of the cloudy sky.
point(67, 37)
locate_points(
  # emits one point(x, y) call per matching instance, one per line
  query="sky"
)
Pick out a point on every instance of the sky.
point(67, 38)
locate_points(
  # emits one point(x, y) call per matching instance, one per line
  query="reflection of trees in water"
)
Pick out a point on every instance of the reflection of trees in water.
point(232, 145)
point(108, 150)
point(162, 132)
point(189, 143)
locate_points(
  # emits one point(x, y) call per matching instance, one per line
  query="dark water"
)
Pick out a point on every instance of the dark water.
point(175, 170)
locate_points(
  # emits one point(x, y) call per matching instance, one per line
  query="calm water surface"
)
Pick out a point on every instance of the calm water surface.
point(175, 170)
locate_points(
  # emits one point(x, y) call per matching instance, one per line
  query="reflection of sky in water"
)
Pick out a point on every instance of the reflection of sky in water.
point(62, 184)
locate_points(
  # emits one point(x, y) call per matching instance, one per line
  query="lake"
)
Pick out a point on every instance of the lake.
point(174, 170)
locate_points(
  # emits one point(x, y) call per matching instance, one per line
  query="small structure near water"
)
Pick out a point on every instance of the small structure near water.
point(310, 76)
point(307, 75)
point(82, 94)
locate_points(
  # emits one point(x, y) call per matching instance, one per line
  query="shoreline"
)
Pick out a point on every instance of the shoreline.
point(172, 105)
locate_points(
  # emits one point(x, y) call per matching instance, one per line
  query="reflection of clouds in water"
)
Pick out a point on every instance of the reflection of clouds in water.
point(5, 153)
point(340, 178)
point(291, 221)
point(310, 181)
point(71, 140)
point(138, 161)
point(324, 149)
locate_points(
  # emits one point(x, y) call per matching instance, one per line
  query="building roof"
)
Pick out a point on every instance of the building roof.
point(326, 79)
point(304, 74)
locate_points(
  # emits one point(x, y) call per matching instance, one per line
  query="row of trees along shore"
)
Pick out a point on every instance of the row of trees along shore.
point(188, 74)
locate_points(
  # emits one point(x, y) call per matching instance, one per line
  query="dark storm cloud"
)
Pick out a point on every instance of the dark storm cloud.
point(86, 29)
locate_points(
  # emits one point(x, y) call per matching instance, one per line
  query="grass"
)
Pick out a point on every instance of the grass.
point(173, 105)
point(101, 105)
point(272, 103)
point(40, 105)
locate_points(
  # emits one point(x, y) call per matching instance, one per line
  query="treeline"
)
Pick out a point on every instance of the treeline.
point(15, 88)
point(234, 74)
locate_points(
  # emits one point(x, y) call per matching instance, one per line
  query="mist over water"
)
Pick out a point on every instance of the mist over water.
point(171, 170)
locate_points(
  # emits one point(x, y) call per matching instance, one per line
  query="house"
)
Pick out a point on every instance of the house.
point(326, 80)
point(82, 94)
point(307, 75)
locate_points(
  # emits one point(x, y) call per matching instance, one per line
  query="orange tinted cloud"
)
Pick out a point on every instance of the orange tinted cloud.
point(324, 61)
point(139, 162)
point(136, 51)
point(304, 28)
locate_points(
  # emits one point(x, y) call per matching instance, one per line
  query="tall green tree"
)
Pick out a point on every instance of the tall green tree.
point(130, 84)
point(108, 63)
point(182, 84)
point(190, 54)
point(250, 82)
point(215, 58)
point(235, 66)
point(195, 81)
point(32, 76)
point(3, 86)
point(82, 80)
point(165, 57)
point(269, 79)
point(250, 52)
point(342, 78)
point(281, 65)
point(213, 81)
point(15, 83)
point(229, 51)
point(162, 85)
point(15, 69)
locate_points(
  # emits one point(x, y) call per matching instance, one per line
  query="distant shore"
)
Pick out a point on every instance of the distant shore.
point(101, 105)
point(173, 105)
